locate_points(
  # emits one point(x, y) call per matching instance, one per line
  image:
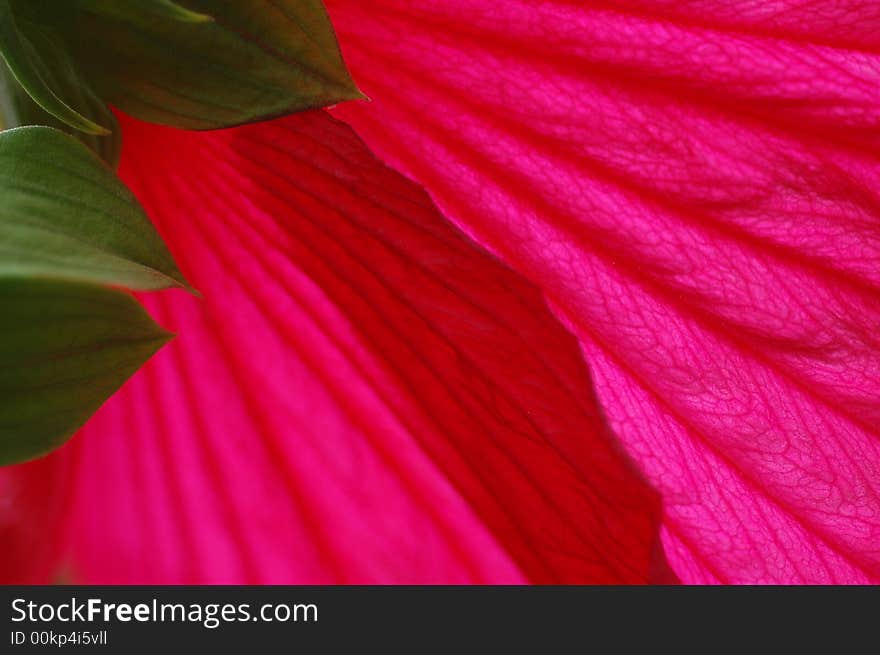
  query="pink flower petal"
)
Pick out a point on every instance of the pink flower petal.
point(694, 186)
point(362, 395)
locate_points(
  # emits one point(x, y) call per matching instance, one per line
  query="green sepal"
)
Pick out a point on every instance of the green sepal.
point(252, 61)
point(65, 348)
point(26, 63)
point(136, 11)
point(18, 109)
point(64, 214)
point(71, 234)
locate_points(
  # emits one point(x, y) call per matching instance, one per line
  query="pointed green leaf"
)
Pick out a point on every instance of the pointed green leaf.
point(26, 64)
point(255, 59)
point(65, 347)
point(69, 230)
point(65, 215)
point(18, 109)
point(148, 8)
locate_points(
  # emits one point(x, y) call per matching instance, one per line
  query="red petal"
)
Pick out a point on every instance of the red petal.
point(694, 185)
point(362, 395)
point(32, 510)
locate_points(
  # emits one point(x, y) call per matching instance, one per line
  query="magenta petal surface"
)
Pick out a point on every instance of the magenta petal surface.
point(361, 395)
point(695, 186)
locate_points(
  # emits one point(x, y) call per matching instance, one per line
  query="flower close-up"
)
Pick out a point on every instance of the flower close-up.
point(559, 292)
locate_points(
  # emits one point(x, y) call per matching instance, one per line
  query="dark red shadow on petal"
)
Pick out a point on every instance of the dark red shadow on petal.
point(361, 395)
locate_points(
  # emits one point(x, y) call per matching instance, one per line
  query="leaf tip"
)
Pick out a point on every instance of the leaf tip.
point(188, 16)
point(180, 282)
point(350, 91)
point(195, 292)
point(98, 130)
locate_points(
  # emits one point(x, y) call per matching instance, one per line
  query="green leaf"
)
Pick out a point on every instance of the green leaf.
point(65, 347)
point(65, 215)
point(69, 231)
point(27, 66)
point(156, 8)
point(18, 109)
point(256, 59)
